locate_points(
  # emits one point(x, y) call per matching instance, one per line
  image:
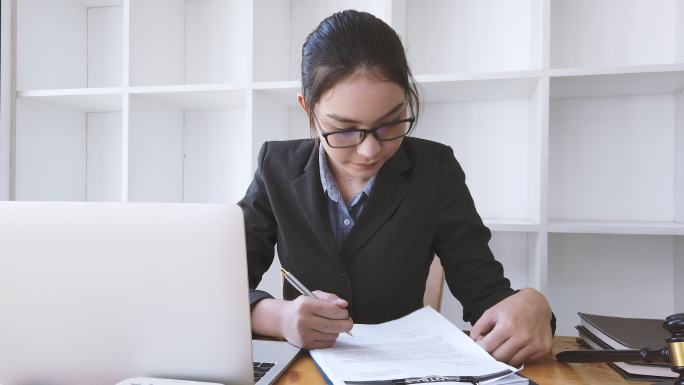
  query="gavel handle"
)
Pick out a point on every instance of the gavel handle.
point(643, 355)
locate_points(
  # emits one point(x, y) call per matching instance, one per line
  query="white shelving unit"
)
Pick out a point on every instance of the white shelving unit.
point(567, 116)
point(616, 158)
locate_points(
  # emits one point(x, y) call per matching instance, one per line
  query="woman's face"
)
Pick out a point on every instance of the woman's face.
point(360, 101)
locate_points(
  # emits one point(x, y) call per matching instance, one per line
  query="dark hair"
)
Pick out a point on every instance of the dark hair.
point(346, 42)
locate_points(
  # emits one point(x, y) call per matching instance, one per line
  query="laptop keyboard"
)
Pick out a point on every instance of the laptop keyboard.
point(260, 369)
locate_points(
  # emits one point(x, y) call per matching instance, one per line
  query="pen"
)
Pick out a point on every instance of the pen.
point(300, 287)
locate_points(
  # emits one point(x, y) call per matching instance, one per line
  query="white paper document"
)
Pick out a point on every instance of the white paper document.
point(422, 347)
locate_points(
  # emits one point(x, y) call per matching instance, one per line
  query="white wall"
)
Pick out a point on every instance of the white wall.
point(103, 164)
point(679, 158)
point(60, 41)
point(678, 273)
point(680, 31)
point(5, 99)
point(594, 273)
point(638, 32)
point(679, 192)
point(51, 152)
point(470, 36)
point(155, 151)
point(602, 160)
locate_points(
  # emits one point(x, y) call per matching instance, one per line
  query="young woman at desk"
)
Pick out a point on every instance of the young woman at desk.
point(358, 212)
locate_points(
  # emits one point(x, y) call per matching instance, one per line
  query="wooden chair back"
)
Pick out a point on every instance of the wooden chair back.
point(434, 285)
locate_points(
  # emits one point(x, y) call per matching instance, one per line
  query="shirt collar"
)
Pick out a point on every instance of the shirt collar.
point(328, 182)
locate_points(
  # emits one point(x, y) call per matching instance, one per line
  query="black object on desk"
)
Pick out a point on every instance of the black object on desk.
point(673, 353)
point(631, 371)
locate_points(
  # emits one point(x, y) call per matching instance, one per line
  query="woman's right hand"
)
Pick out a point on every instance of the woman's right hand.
point(314, 323)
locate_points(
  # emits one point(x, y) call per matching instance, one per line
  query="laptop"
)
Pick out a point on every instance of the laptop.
point(108, 293)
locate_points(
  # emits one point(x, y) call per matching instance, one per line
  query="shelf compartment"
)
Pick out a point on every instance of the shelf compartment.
point(79, 44)
point(614, 227)
point(596, 273)
point(587, 33)
point(470, 35)
point(67, 154)
point(181, 153)
point(613, 158)
point(617, 81)
point(189, 42)
point(281, 27)
point(497, 142)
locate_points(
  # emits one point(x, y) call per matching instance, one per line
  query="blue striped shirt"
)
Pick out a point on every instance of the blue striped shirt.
point(342, 217)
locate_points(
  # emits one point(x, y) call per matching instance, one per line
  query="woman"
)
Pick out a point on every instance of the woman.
point(359, 212)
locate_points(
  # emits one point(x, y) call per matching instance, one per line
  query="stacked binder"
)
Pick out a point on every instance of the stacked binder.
point(599, 332)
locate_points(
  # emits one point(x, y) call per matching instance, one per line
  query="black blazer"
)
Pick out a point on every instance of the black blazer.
point(419, 206)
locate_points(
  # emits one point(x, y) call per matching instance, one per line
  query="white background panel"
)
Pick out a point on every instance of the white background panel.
point(216, 163)
point(157, 49)
point(470, 35)
point(612, 158)
point(61, 42)
point(105, 46)
point(155, 152)
point(592, 274)
point(216, 41)
point(271, 35)
point(608, 32)
point(51, 152)
point(104, 135)
point(678, 273)
point(679, 157)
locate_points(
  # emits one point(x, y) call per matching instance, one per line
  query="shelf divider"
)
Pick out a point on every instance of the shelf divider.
point(616, 227)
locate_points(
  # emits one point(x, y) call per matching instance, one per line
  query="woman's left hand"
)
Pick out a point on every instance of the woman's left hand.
point(517, 329)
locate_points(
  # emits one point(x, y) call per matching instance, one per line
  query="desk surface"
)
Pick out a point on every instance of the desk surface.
point(546, 372)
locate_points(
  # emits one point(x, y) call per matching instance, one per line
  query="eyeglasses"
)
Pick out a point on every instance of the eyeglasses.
point(383, 133)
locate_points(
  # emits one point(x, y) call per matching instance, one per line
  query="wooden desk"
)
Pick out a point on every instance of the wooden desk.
point(546, 372)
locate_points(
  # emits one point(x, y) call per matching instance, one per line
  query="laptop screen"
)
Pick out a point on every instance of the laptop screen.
point(93, 293)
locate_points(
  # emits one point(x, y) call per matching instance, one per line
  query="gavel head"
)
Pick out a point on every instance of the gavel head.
point(675, 344)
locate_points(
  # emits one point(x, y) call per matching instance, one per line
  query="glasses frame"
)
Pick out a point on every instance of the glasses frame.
point(373, 131)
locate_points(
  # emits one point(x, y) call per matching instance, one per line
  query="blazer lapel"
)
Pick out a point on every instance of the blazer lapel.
point(312, 202)
point(388, 191)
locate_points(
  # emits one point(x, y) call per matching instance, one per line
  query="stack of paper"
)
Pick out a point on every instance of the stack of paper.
point(422, 347)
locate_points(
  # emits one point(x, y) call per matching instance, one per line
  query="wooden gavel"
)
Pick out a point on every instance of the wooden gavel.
point(673, 353)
